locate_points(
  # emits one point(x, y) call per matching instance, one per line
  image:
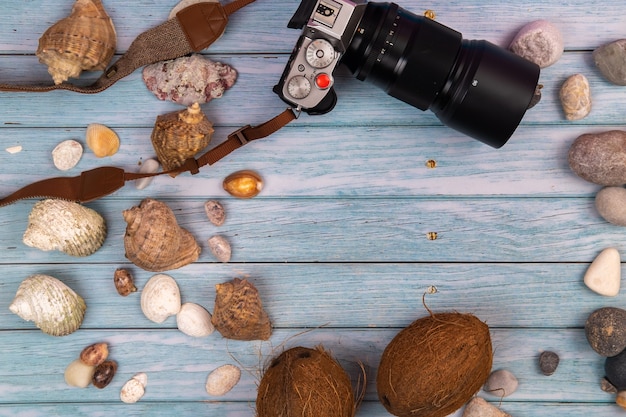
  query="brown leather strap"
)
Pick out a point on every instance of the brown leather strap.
point(194, 28)
point(99, 182)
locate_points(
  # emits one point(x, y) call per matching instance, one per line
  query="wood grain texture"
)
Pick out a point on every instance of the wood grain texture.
point(341, 241)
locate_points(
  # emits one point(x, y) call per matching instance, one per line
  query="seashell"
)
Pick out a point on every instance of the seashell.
point(238, 312)
point(160, 298)
point(78, 374)
point(154, 241)
point(67, 154)
point(104, 373)
point(215, 212)
point(194, 320)
point(134, 388)
point(124, 283)
point(65, 226)
point(575, 97)
point(94, 354)
point(220, 248)
point(178, 136)
point(102, 140)
point(149, 166)
point(85, 40)
point(243, 184)
point(222, 380)
point(189, 79)
point(53, 306)
point(14, 149)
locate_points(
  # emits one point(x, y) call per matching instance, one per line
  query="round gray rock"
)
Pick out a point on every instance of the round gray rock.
point(611, 61)
point(600, 157)
point(611, 205)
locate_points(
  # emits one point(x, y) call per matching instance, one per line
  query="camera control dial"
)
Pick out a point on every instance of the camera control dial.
point(299, 87)
point(320, 53)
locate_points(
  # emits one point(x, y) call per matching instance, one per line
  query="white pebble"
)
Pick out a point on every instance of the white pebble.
point(478, 407)
point(149, 166)
point(222, 380)
point(67, 154)
point(604, 274)
point(220, 247)
point(540, 42)
point(78, 374)
point(134, 388)
point(501, 383)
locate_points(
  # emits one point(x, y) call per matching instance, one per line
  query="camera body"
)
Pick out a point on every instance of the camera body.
point(473, 86)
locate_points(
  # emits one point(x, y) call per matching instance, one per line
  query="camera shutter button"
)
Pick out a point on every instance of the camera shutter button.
point(323, 81)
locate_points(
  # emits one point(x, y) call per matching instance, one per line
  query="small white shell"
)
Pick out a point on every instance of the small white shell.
point(134, 388)
point(160, 298)
point(78, 374)
point(149, 166)
point(67, 154)
point(222, 380)
point(14, 149)
point(220, 248)
point(194, 320)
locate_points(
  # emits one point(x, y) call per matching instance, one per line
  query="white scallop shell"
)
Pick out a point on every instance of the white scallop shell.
point(67, 154)
point(149, 166)
point(194, 320)
point(222, 380)
point(53, 306)
point(134, 388)
point(65, 226)
point(160, 298)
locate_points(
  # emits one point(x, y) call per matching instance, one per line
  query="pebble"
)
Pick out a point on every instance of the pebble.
point(222, 380)
point(540, 42)
point(575, 96)
point(615, 370)
point(78, 374)
point(604, 274)
point(610, 59)
point(611, 205)
point(478, 407)
point(501, 383)
point(600, 158)
point(220, 248)
point(605, 330)
point(606, 386)
point(67, 154)
point(620, 399)
point(215, 212)
point(149, 166)
point(189, 79)
point(548, 362)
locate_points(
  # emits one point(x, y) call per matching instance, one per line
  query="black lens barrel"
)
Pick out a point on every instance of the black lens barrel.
point(474, 87)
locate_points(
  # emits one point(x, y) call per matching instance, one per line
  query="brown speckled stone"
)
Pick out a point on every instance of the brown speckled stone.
point(600, 157)
point(606, 331)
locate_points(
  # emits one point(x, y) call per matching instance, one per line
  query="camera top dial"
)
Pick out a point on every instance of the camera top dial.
point(320, 53)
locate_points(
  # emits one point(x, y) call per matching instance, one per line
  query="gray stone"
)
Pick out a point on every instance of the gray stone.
point(605, 330)
point(548, 362)
point(540, 42)
point(611, 205)
point(610, 59)
point(501, 383)
point(600, 158)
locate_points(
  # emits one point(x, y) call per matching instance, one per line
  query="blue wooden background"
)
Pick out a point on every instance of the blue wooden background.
point(338, 241)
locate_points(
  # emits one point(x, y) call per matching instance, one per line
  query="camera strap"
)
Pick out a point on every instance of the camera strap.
point(99, 182)
point(193, 29)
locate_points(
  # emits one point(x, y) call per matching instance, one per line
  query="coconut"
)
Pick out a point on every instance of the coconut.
point(435, 365)
point(303, 382)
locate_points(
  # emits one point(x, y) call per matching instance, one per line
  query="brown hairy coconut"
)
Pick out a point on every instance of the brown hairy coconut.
point(435, 365)
point(303, 382)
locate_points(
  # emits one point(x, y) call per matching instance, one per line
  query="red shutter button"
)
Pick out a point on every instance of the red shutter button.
point(323, 81)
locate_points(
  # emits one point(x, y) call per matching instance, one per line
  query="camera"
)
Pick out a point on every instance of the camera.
point(472, 86)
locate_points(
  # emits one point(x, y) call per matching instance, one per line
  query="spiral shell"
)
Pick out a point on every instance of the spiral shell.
point(239, 313)
point(65, 226)
point(85, 40)
point(53, 306)
point(180, 135)
point(154, 241)
point(160, 298)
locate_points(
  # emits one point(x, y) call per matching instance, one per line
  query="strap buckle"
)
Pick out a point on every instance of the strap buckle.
point(240, 135)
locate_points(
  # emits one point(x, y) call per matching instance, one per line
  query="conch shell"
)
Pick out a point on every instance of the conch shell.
point(54, 307)
point(154, 241)
point(85, 40)
point(180, 135)
point(65, 226)
point(238, 312)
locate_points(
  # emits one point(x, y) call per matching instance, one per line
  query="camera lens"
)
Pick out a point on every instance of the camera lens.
point(474, 87)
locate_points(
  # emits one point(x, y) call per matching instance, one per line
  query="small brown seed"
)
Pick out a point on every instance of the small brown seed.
point(243, 184)
point(124, 283)
point(104, 374)
point(95, 354)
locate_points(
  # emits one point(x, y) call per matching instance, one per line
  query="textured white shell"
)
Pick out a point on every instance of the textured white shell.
point(160, 298)
point(134, 388)
point(53, 306)
point(194, 320)
point(67, 154)
point(64, 226)
point(222, 380)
